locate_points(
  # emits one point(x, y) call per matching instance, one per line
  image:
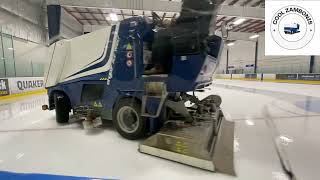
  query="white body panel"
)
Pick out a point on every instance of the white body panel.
point(71, 56)
point(294, 25)
point(57, 53)
point(85, 49)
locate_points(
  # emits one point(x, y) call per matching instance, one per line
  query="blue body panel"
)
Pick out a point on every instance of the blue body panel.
point(187, 74)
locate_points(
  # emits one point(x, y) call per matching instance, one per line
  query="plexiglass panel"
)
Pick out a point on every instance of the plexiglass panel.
point(8, 55)
point(2, 68)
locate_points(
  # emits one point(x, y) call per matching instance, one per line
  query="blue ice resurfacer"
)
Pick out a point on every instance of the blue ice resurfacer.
point(108, 74)
point(292, 28)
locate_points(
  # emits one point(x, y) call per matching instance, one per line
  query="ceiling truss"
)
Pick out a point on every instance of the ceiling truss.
point(100, 16)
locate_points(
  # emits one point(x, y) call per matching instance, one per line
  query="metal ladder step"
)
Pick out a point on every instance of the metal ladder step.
point(156, 90)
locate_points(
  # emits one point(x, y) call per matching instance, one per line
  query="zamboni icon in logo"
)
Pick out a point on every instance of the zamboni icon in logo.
point(292, 36)
point(291, 28)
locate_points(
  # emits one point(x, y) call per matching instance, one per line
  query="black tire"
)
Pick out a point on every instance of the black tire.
point(133, 108)
point(62, 106)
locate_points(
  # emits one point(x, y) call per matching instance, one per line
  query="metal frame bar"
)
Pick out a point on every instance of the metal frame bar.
point(123, 14)
point(77, 9)
point(256, 57)
point(248, 22)
point(245, 25)
point(220, 20)
point(257, 3)
point(227, 64)
point(257, 28)
point(233, 2)
point(32, 73)
point(174, 16)
point(227, 21)
point(245, 2)
point(4, 59)
point(105, 18)
point(93, 16)
point(311, 67)
point(163, 16)
point(69, 12)
point(164, 6)
point(251, 26)
point(13, 56)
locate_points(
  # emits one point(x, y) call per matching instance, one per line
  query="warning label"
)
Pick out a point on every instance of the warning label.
point(129, 47)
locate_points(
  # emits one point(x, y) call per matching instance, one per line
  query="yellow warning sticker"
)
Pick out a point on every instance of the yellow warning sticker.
point(129, 47)
point(97, 104)
point(103, 79)
point(181, 147)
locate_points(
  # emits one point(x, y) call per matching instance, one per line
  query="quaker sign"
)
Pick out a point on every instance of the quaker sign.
point(25, 84)
point(309, 77)
point(4, 87)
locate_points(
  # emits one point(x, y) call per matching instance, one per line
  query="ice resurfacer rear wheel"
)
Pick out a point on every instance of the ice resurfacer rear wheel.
point(127, 119)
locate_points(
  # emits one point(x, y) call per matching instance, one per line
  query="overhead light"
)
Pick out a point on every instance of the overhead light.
point(231, 44)
point(249, 122)
point(10, 48)
point(113, 17)
point(239, 21)
point(254, 36)
point(285, 140)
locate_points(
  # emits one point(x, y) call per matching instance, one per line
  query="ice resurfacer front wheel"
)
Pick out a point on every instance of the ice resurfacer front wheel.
point(61, 103)
point(127, 119)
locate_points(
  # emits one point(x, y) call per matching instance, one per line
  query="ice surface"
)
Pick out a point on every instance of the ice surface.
point(31, 141)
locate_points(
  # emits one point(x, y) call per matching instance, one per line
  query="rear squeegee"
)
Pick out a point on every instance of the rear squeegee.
point(191, 144)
